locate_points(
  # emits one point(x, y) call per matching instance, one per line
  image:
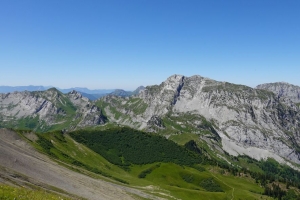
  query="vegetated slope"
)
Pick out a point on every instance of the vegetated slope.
point(283, 89)
point(22, 165)
point(9, 192)
point(48, 110)
point(123, 93)
point(125, 146)
point(161, 179)
point(249, 121)
point(131, 150)
point(135, 152)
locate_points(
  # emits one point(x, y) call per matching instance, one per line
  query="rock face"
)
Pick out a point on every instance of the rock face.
point(155, 123)
point(44, 110)
point(283, 89)
point(249, 121)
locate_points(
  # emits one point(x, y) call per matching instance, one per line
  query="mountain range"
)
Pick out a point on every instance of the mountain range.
point(224, 119)
point(90, 94)
point(259, 122)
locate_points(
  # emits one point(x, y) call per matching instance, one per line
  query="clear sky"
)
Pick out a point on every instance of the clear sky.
point(106, 44)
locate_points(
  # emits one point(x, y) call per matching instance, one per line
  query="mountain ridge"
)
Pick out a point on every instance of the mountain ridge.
point(90, 94)
point(231, 118)
point(283, 89)
point(245, 118)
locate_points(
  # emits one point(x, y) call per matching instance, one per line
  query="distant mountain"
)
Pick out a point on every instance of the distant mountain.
point(93, 97)
point(90, 94)
point(87, 91)
point(48, 110)
point(283, 89)
point(123, 93)
point(137, 91)
point(6, 89)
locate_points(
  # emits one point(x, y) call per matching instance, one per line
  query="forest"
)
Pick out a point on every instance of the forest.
point(125, 146)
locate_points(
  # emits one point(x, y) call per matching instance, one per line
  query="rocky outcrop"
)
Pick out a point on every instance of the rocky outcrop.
point(93, 116)
point(29, 104)
point(155, 123)
point(282, 89)
point(43, 110)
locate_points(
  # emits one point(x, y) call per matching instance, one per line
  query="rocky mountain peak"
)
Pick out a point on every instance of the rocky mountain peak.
point(52, 90)
point(137, 90)
point(173, 82)
point(283, 89)
point(75, 95)
point(249, 121)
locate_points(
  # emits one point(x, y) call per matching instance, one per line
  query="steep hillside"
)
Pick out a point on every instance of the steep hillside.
point(48, 110)
point(74, 169)
point(249, 121)
point(283, 89)
point(25, 166)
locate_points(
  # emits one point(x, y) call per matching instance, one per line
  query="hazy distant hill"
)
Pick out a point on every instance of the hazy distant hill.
point(90, 94)
point(87, 91)
point(6, 89)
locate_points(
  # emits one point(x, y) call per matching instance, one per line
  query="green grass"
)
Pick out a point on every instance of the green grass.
point(13, 193)
point(168, 180)
point(115, 106)
point(136, 105)
point(183, 138)
point(120, 146)
point(186, 183)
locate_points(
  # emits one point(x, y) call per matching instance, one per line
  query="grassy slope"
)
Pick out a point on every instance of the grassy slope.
point(12, 193)
point(117, 107)
point(165, 181)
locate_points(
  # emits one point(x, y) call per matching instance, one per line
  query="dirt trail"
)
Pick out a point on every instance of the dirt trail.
point(18, 156)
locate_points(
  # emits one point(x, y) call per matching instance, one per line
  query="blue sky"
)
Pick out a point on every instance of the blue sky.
point(108, 44)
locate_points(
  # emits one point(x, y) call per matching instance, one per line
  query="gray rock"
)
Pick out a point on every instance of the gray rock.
point(48, 108)
point(254, 122)
point(282, 89)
